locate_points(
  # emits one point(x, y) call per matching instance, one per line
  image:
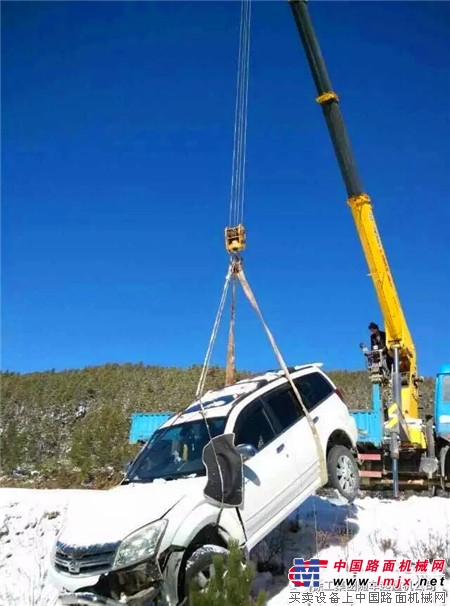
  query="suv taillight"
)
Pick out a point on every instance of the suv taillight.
point(338, 392)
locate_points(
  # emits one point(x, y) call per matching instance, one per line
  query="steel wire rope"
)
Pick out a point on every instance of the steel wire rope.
point(241, 112)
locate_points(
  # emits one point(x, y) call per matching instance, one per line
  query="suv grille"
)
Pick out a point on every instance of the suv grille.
point(84, 561)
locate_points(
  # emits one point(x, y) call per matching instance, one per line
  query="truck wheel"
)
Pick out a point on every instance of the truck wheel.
point(200, 566)
point(343, 472)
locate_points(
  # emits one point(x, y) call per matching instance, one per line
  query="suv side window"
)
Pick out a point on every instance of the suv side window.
point(313, 388)
point(253, 427)
point(283, 405)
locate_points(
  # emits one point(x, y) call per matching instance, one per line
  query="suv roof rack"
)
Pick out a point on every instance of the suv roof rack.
point(260, 380)
point(264, 378)
point(291, 369)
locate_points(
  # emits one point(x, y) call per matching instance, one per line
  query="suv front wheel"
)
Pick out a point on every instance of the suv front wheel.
point(200, 567)
point(343, 472)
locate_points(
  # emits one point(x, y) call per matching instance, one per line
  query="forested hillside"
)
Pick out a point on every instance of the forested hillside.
point(73, 426)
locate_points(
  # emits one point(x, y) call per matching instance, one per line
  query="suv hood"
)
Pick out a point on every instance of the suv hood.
point(107, 516)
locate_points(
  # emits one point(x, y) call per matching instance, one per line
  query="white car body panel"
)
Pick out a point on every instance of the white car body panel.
point(107, 516)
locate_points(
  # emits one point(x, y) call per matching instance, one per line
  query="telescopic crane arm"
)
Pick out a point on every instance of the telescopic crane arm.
point(397, 332)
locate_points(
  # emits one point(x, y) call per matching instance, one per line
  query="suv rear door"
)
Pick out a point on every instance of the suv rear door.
point(323, 404)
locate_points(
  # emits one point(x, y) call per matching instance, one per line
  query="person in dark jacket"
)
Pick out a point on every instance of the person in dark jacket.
point(377, 336)
point(378, 339)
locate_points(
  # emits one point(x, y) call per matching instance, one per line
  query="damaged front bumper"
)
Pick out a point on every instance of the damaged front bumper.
point(135, 586)
point(72, 599)
point(88, 599)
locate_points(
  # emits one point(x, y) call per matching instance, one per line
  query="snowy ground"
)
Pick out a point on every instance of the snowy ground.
point(416, 528)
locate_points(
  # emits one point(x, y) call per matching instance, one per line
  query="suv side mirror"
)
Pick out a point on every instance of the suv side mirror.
point(247, 451)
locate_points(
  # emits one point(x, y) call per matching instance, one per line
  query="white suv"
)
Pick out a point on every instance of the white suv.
point(234, 471)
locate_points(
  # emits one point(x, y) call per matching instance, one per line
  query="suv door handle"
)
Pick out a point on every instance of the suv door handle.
point(315, 419)
point(280, 447)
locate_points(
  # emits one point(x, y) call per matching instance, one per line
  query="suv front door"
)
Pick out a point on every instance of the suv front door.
point(267, 475)
point(290, 422)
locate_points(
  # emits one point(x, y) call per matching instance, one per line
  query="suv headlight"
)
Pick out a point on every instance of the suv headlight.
point(140, 545)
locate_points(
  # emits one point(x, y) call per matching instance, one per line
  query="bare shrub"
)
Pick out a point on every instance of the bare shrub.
point(435, 547)
point(336, 536)
point(386, 544)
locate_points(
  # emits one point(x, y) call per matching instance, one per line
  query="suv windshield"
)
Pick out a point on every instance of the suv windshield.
point(175, 451)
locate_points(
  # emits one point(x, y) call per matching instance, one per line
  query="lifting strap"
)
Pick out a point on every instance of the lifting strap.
point(231, 369)
point(251, 297)
point(236, 271)
point(212, 339)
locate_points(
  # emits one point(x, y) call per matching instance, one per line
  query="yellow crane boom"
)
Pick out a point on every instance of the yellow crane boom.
point(398, 336)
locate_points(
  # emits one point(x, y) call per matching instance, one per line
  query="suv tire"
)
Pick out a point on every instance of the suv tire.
point(201, 561)
point(343, 472)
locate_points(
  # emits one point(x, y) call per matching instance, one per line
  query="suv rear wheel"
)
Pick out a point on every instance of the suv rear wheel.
point(343, 472)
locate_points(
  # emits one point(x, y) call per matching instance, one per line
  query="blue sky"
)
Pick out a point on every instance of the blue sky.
point(117, 132)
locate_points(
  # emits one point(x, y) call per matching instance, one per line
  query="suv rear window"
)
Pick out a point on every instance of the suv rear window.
point(314, 389)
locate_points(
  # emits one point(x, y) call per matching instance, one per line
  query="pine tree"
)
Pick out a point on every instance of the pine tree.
point(230, 585)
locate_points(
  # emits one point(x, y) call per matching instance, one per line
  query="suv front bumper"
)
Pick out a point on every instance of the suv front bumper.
point(87, 598)
point(74, 590)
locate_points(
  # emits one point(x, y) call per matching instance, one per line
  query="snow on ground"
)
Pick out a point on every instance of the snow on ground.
point(416, 528)
point(29, 522)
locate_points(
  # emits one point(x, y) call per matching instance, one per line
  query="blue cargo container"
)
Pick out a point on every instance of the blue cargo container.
point(370, 422)
point(144, 424)
point(442, 404)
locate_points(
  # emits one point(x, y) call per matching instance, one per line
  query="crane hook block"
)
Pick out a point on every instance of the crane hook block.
point(235, 239)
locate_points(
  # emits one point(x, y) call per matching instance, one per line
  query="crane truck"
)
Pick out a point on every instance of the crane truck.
point(397, 445)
